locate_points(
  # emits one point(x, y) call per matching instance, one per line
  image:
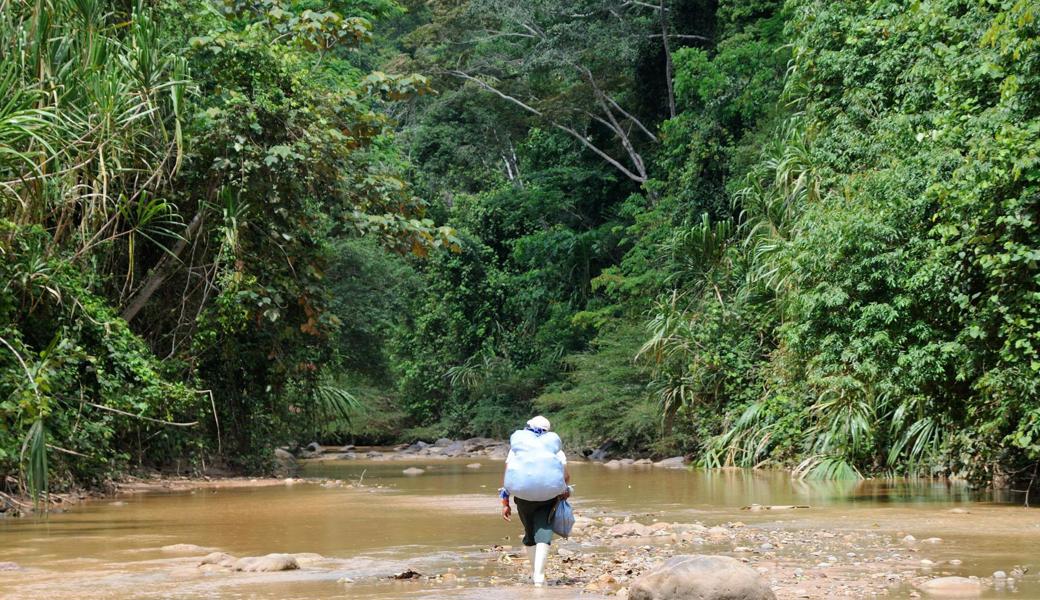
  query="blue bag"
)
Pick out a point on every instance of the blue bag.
point(563, 519)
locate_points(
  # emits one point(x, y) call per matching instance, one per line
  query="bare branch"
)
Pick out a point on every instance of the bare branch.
point(601, 154)
point(682, 36)
point(644, 5)
point(637, 122)
point(639, 176)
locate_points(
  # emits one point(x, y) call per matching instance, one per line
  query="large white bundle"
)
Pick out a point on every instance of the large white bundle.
point(534, 471)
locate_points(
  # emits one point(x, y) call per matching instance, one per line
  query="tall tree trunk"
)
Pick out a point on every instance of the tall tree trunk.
point(162, 271)
point(667, 60)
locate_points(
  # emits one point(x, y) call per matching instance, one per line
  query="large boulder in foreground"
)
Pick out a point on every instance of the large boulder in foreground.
point(701, 577)
point(271, 562)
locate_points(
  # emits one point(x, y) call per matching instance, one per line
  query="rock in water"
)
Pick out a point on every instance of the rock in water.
point(675, 462)
point(952, 587)
point(271, 562)
point(701, 577)
point(413, 471)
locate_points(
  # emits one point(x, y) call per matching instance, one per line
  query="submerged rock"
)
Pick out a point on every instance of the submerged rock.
point(185, 549)
point(412, 471)
point(268, 563)
point(702, 577)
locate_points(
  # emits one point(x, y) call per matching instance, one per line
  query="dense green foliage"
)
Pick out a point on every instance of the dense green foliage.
point(176, 178)
point(786, 232)
point(821, 216)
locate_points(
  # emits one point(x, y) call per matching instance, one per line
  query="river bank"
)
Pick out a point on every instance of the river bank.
point(366, 529)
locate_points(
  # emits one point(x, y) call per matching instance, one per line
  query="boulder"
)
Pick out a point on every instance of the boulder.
point(701, 577)
point(601, 453)
point(312, 450)
point(412, 471)
point(675, 462)
point(220, 559)
point(285, 464)
point(416, 447)
point(442, 443)
point(268, 563)
point(479, 443)
point(628, 529)
point(455, 449)
point(952, 587)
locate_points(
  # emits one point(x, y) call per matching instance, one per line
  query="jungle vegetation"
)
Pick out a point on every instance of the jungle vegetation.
point(755, 232)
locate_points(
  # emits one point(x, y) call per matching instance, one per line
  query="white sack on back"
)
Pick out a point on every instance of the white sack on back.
point(534, 472)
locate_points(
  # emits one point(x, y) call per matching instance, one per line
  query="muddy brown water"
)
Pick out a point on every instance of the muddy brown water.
point(443, 521)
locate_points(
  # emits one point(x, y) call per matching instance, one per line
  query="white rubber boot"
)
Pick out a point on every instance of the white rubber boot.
point(541, 554)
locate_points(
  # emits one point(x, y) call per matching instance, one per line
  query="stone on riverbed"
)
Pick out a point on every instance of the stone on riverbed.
point(952, 587)
point(412, 471)
point(474, 466)
point(268, 563)
point(702, 577)
point(627, 529)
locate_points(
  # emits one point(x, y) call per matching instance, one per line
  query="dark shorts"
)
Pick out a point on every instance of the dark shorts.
point(536, 519)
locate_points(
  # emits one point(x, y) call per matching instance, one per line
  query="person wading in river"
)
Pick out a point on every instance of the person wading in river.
point(537, 477)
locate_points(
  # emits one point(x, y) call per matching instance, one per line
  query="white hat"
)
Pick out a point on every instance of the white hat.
point(539, 422)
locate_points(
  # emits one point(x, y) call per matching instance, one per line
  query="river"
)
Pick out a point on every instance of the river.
point(445, 522)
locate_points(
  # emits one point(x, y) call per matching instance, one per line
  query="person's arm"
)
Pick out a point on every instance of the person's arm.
point(566, 475)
